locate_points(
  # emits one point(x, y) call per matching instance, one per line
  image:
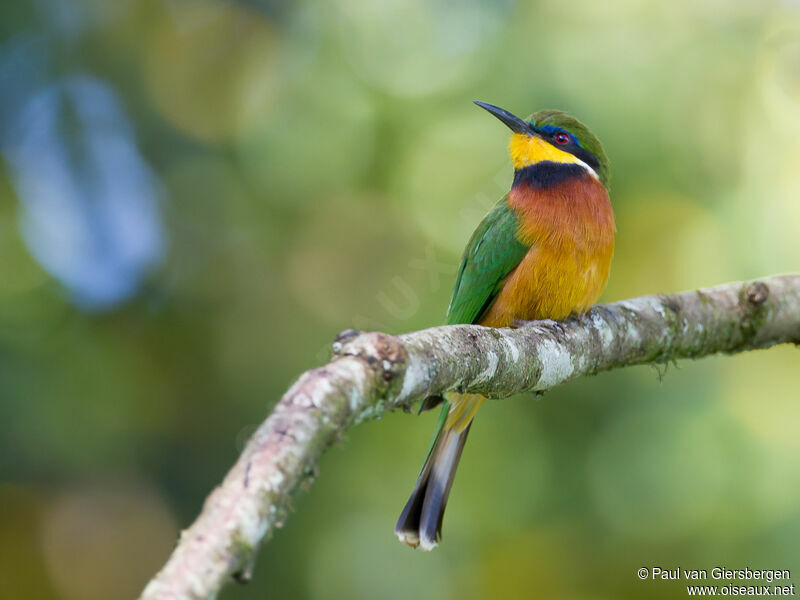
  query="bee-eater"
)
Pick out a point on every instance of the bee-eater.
point(543, 252)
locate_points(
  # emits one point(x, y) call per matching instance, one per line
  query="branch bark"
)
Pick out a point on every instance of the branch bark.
point(372, 373)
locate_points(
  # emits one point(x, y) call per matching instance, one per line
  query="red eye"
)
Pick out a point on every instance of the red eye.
point(562, 138)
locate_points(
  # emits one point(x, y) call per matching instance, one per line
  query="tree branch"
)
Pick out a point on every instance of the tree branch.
point(373, 373)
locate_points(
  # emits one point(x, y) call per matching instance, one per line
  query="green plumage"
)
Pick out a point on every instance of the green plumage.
point(492, 253)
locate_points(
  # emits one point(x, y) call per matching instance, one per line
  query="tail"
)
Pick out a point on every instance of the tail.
point(420, 523)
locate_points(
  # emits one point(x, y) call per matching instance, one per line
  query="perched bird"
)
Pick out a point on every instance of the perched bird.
point(543, 252)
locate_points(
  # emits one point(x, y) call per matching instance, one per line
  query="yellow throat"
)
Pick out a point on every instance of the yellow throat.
point(528, 150)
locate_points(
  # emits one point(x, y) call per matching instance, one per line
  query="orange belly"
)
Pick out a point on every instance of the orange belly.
point(550, 283)
point(571, 232)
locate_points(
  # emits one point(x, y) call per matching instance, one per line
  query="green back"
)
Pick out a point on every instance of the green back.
point(492, 253)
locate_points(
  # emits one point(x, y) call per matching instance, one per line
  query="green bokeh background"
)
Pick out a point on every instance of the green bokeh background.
point(322, 167)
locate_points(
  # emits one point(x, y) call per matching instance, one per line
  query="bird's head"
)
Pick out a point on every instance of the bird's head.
point(552, 135)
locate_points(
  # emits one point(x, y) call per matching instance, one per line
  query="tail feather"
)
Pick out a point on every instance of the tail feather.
point(407, 528)
point(420, 523)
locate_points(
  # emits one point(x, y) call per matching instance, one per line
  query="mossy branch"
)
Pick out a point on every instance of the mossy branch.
point(372, 373)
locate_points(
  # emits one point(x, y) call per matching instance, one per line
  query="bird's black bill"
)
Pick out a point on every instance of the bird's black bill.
point(513, 122)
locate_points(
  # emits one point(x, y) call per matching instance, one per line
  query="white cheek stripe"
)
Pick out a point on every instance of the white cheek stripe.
point(587, 167)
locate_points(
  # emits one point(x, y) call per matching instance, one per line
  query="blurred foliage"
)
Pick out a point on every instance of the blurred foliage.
point(197, 195)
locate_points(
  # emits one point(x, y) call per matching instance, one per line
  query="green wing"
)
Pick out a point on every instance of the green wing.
point(492, 253)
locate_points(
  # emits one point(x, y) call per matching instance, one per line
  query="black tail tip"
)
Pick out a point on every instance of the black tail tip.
point(411, 530)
